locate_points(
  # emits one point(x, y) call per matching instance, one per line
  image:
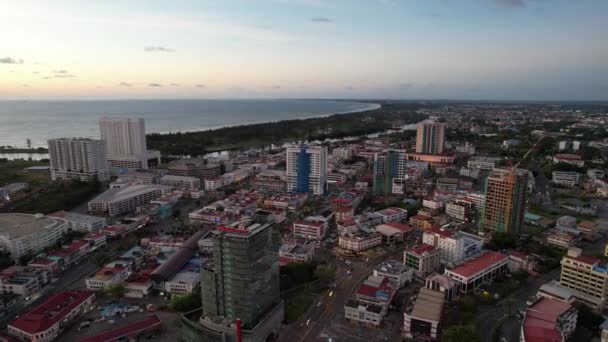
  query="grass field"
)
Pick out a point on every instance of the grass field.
point(11, 171)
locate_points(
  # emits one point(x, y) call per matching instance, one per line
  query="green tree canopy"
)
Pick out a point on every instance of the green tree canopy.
point(460, 333)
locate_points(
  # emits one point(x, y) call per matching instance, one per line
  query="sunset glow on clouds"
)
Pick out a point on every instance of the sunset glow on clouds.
point(466, 49)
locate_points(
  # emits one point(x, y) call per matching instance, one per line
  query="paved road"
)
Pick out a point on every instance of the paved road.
point(321, 316)
point(489, 315)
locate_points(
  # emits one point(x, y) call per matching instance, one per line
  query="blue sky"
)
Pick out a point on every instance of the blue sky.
point(451, 49)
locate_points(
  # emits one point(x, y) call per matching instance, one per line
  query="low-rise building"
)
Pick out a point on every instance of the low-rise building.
point(573, 159)
point(566, 178)
point(395, 271)
point(181, 182)
point(377, 291)
point(125, 200)
point(309, 229)
point(111, 274)
point(422, 323)
point(393, 232)
point(423, 259)
point(81, 222)
point(421, 221)
point(272, 180)
point(548, 320)
point(359, 241)
point(484, 163)
point(588, 228)
point(520, 261)
point(392, 214)
point(12, 191)
point(24, 234)
point(484, 269)
point(45, 322)
point(368, 314)
point(296, 252)
point(561, 239)
point(454, 246)
point(183, 282)
point(556, 291)
point(443, 284)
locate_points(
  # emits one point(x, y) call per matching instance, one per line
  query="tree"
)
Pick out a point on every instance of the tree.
point(99, 258)
point(116, 291)
point(459, 333)
point(186, 303)
point(325, 273)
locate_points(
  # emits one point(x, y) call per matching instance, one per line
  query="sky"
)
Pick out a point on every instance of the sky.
point(398, 49)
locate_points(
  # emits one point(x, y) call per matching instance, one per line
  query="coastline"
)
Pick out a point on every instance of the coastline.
point(373, 106)
point(376, 118)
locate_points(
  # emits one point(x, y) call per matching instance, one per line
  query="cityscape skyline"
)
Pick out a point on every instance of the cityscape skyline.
point(479, 50)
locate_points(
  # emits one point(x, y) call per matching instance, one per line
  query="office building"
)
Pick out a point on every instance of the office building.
point(240, 289)
point(548, 320)
point(47, 321)
point(422, 323)
point(430, 137)
point(586, 276)
point(505, 202)
point(388, 166)
point(125, 141)
point(306, 169)
point(24, 234)
point(78, 158)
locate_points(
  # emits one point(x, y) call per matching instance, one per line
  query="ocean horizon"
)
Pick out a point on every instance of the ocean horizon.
point(43, 120)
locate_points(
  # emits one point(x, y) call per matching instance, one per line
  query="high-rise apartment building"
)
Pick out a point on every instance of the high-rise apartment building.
point(307, 169)
point(430, 137)
point(388, 166)
point(240, 288)
point(125, 140)
point(586, 276)
point(78, 158)
point(505, 202)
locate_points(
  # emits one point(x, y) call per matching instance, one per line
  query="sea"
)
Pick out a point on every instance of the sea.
point(42, 120)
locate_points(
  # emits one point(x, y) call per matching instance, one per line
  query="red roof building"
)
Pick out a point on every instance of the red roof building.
point(131, 331)
point(548, 320)
point(482, 269)
point(46, 321)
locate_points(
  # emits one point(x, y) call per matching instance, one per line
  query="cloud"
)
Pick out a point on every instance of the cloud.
point(200, 86)
point(62, 71)
point(406, 85)
point(10, 60)
point(125, 84)
point(349, 88)
point(512, 3)
point(276, 87)
point(322, 20)
point(155, 85)
point(174, 84)
point(158, 49)
point(64, 76)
